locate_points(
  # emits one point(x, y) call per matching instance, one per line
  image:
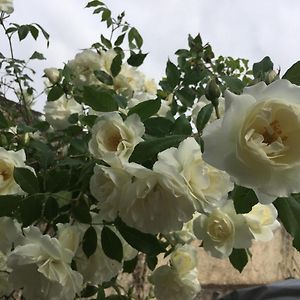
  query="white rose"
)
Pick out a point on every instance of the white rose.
point(5, 285)
point(58, 112)
point(262, 221)
point(149, 205)
point(52, 74)
point(106, 186)
point(113, 139)
point(184, 172)
point(150, 86)
point(69, 237)
point(6, 6)
point(184, 259)
point(106, 58)
point(222, 230)
point(41, 261)
point(201, 103)
point(168, 284)
point(83, 67)
point(8, 161)
point(257, 140)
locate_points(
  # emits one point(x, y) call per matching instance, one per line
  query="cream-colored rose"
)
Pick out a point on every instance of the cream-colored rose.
point(106, 186)
point(6, 6)
point(150, 86)
point(262, 221)
point(184, 259)
point(106, 58)
point(58, 112)
point(168, 284)
point(69, 237)
point(201, 103)
point(222, 230)
point(52, 74)
point(149, 205)
point(5, 285)
point(8, 161)
point(83, 66)
point(43, 260)
point(10, 234)
point(113, 139)
point(257, 141)
point(184, 171)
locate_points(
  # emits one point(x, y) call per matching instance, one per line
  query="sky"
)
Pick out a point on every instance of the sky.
point(246, 29)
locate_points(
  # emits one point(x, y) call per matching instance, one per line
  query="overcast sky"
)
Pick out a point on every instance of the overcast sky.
point(247, 29)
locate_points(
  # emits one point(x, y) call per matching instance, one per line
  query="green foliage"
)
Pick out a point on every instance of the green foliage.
point(204, 116)
point(146, 109)
point(244, 199)
point(26, 180)
point(239, 259)
point(89, 242)
point(111, 244)
point(293, 73)
point(262, 67)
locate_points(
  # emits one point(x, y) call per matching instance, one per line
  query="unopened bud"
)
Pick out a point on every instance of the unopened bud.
point(52, 74)
point(271, 76)
point(212, 90)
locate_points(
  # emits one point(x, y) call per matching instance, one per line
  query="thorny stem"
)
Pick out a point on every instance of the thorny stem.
point(27, 115)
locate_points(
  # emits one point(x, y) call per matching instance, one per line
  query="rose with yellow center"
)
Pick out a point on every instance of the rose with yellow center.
point(258, 140)
point(222, 230)
point(113, 140)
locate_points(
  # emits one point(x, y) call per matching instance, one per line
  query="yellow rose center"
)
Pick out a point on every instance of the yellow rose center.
point(6, 174)
point(219, 228)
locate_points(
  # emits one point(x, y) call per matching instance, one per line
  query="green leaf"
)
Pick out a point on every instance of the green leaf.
point(81, 212)
point(134, 35)
point(244, 199)
point(42, 126)
point(146, 109)
point(94, 3)
point(186, 96)
point(3, 122)
point(151, 262)
point(51, 209)
point(111, 244)
point(148, 149)
point(182, 126)
point(101, 293)
point(31, 209)
point(116, 297)
point(120, 39)
point(89, 242)
point(173, 74)
point(104, 77)
point(116, 65)
point(293, 73)
point(239, 259)
point(26, 180)
point(89, 291)
point(204, 116)
point(99, 99)
point(37, 55)
point(106, 15)
point(9, 204)
point(129, 265)
point(158, 126)
point(234, 84)
point(23, 32)
point(105, 41)
point(136, 60)
point(34, 31)
point(265, 65)
point(55, 93)
point(144, 242)
point(289, 212)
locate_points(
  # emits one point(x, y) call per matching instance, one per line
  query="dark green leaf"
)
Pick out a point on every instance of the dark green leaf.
point(111, 244)
point(94, 3)
point(244, 199)
point(144, 242)
point(148, 149)
point(203, 116)
point(136, 60)
point(51, 209)
point(23, 32)
point(37, 55)
point(158, 126)
point(186, 96)
point(146, 109)
point(34, 31)
point(151, 262)
point(120, 39)
point(99, 99)
point(289, 212)
point(89, 242)
point(293, 73)
point(116, 64)
point(234, 84)
point(173, 74)
point(81, 212)
point(106, 42)
point(239, 259)
point(134, 35)
point(3, 122)
point(129, 265)
point(31, 209)
point(106, 15)
point(265, 65)
point(182, 126)
point(101, 293)
point(104, 77)
point(55, 93)
point(116, 297)
point(26, 180)
point(89, 291)
point(8, 204)
point(42, 125)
